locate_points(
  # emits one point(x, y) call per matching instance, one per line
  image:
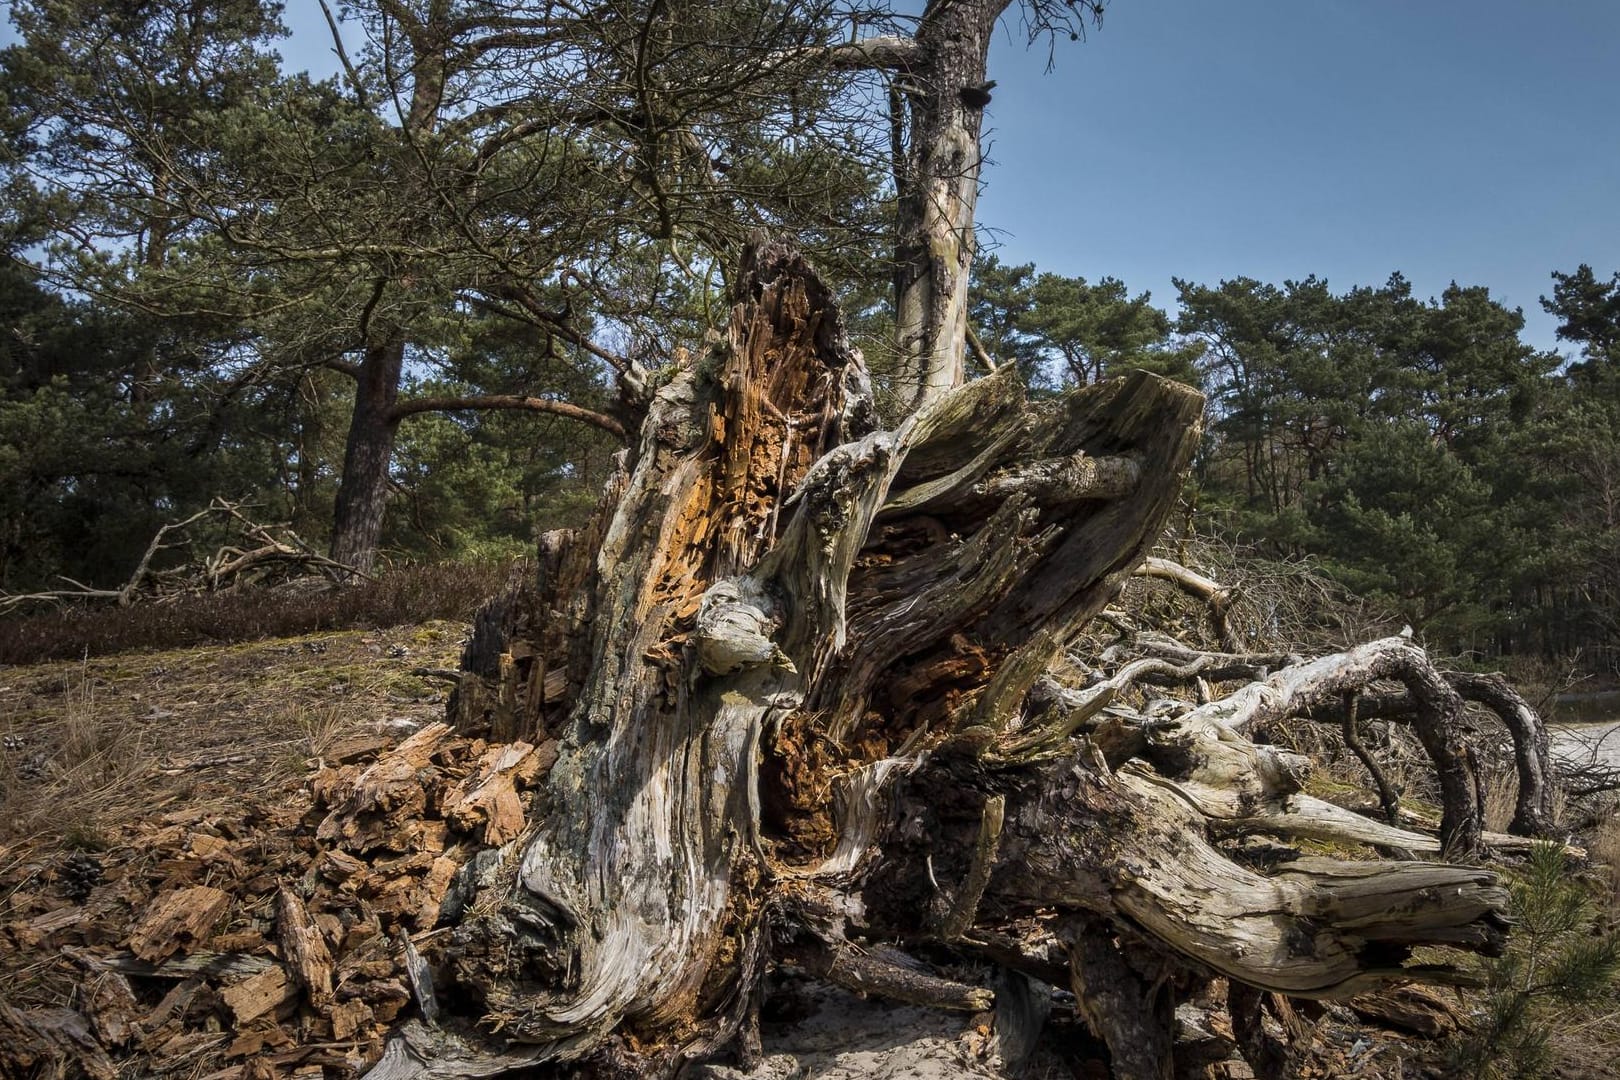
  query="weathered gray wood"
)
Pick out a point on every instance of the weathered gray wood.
point(417, 1052)
point(201, 962)
point(795, 654)
point(1533, 804)
point(1124, 844)
point(1437, 716)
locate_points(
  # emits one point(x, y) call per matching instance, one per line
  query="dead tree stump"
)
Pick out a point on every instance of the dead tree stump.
point(787, 667)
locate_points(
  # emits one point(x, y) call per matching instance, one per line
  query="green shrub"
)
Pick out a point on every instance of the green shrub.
point(1556, 957)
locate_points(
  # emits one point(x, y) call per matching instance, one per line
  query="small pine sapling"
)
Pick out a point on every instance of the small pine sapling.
point(1558, 956)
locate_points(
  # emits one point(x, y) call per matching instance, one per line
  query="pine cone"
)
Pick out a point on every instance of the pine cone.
point(79, 874)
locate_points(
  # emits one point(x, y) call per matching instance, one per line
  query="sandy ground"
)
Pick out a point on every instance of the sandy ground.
point(1587, 742)
point(832, 1034)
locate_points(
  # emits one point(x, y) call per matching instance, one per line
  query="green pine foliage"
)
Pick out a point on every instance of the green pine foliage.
point(1065, 331)
point(1558, 961)
point(206, 252)
point(1407, 446)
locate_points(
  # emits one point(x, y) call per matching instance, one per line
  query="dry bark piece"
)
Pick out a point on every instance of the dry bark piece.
point(164, 1022)
point(488, 795)
point(113, 1009)
point(368, 805)
point(210, 964)
point(176, 921)
point(349, 1017)
point(240, 941)
point(421, 979)
point(254, 1038)
point(259, 994)
point(352, 748)
point(339, 867)
point(429, 895)
point(303, 947)
point(51, 1042)
point(1409, 1008)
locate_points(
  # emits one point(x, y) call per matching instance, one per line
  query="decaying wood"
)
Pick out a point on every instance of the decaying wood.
point(488, 796)
point(259, 994)
point(801, 693)
point(795, 674)
point(768, 498)
point(1125, 1009)
point(868, 971)
point(1298, 688)
point(53, 1042)
point(301, 944)
point(1409, 1008)
point(199, 962)
point(1271, 1058)
point(313, 956)
point(176, 921)
point(1533, 807)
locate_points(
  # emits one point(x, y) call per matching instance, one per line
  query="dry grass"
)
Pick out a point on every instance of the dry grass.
point(403, 596)
point(93, 747)
point(1501, 798)
point(1604, 850)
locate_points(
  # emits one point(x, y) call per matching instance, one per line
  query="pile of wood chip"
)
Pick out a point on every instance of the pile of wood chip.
point(255, 941)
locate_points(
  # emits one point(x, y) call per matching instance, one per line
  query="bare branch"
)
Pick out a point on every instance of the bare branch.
point(509, 401)
point(1217, 596)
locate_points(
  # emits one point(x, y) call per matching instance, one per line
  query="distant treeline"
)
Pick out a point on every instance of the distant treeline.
point(1418, 450)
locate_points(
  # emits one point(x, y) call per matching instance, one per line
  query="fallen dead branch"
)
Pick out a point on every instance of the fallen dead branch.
point(258, 555)
point(1218, 598)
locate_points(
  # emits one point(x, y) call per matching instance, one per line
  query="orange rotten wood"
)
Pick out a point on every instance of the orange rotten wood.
point(798, 649)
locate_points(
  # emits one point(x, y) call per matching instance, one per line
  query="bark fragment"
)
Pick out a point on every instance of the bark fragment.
point(176, 921)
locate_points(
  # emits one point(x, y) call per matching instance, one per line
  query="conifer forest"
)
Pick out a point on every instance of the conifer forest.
point(564, 548)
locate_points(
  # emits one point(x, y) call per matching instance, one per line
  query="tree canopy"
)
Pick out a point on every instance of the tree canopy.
point(444, 282)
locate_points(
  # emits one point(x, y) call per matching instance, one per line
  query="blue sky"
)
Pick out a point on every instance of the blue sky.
point(1467, 140)
point(1473, 141)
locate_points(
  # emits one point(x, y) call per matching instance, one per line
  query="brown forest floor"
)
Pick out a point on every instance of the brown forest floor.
point(182, 780)
point(153, 805)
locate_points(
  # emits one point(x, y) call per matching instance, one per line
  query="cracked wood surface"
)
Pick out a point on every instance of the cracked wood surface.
point(796, 652)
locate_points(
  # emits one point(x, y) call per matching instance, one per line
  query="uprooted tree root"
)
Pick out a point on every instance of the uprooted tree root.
point(786, 700)
point(796, 672)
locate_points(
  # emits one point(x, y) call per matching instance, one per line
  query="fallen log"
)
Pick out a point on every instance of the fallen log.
point(1533, 804)
point(787, 669)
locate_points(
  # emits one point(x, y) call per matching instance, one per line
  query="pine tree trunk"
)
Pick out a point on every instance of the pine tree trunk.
point(937, 196)
point(362, 498)
point(789, 668)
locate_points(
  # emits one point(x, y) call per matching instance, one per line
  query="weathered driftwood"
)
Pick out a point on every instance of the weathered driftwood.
point(788, 670)
point(1217, 597)
point(1533, 805)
